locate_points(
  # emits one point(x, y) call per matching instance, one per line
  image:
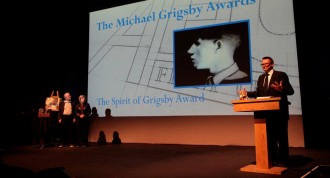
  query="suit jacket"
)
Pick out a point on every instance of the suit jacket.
point(61, 109)
point(277, 76)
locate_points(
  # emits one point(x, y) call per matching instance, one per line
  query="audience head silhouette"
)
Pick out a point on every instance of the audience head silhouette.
point(108, 112)
point(116, 139)
point(94, 114)
point(102, 139)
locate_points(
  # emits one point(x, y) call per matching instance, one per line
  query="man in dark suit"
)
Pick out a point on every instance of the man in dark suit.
point(276, 84)
point(66, 119)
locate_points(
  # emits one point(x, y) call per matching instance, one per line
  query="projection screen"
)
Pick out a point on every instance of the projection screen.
point(153, 58)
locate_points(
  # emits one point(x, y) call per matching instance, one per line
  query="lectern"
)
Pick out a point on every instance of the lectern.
point(263, 159)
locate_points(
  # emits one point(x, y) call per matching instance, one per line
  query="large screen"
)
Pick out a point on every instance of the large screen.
point(184, 58)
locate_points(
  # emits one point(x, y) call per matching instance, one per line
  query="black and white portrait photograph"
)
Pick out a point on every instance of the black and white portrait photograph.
point(212, 55)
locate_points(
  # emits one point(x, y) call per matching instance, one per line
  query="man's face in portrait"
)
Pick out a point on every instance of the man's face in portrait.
point(204, 55)
point(215, 55)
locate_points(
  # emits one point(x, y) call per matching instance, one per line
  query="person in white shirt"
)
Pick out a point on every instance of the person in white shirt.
point(66, 119)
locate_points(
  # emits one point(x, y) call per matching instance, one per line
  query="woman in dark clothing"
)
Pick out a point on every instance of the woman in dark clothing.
point(83, 111)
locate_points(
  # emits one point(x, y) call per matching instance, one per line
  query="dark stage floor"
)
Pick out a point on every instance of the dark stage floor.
point(130, 160)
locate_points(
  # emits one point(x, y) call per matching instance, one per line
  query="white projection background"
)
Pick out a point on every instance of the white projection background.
point(132, 61)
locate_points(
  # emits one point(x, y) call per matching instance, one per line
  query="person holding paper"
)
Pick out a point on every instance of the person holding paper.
point(275, 83)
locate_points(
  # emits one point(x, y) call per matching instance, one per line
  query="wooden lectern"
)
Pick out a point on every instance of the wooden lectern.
point(263, 159)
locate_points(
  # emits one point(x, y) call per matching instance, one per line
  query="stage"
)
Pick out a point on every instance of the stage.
point(135, 160)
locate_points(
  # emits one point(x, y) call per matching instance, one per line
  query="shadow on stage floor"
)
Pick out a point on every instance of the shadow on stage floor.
point(130, 160)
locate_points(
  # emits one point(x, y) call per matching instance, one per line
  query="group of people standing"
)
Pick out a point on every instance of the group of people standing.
point(68, 126)
point(73, 119)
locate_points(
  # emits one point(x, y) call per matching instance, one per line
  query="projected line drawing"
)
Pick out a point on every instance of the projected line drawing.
point(137, 60)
